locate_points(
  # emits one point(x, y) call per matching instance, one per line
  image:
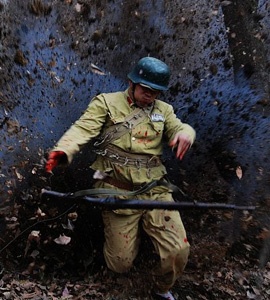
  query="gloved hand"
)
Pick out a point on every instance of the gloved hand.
point(55, 158)
point(180, 143)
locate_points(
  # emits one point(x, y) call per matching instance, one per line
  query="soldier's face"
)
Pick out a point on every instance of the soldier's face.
point(144, 96)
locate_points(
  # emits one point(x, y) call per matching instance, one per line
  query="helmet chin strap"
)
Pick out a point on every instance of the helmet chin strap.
point(133, 93)
point(133, 90)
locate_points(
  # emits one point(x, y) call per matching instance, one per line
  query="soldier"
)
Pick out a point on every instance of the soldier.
point(130, 127)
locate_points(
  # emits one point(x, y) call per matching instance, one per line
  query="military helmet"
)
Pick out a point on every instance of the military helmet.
point(151, 72)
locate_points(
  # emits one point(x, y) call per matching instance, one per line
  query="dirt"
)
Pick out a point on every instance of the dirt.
point(223, 263)
point(55, 55)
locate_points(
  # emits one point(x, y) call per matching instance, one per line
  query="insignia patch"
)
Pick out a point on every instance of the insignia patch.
point(157, 118)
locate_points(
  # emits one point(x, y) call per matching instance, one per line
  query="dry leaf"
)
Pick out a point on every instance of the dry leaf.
point(95, 69)
point(250, 295)
point(13, 126)
point(65, 292)
point(40, 213)
point(265, 234)
point(69, 226)
point(34, 236)
point(62, 239)
point(78, 7)
point(19, 176)
point(239, 172)
point(225, 3)
point(34, 253)
point(73, 216)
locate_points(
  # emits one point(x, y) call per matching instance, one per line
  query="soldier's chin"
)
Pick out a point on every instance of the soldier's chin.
point(143, 104)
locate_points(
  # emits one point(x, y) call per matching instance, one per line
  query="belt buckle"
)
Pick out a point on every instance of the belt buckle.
point(153, 160)
point(138, 163)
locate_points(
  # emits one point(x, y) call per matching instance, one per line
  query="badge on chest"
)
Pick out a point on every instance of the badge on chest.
point(157, 118)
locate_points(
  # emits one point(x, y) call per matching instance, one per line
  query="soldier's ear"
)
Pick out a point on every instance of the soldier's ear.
point(130, 83)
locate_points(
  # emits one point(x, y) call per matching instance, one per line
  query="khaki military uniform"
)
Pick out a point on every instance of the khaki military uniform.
point(164, 227)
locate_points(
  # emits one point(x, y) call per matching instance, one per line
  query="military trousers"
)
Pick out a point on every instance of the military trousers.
point(166, 231)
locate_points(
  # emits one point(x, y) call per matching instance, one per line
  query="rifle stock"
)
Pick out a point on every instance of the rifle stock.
point(114, 203)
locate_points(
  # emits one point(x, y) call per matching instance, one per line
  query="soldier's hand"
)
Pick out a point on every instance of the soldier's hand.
point(181, 143)
point(55, 158)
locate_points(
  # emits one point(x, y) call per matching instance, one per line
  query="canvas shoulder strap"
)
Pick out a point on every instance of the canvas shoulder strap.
point(116, 131)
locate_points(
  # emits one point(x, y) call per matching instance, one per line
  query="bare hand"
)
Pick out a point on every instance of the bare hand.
point(182, 143)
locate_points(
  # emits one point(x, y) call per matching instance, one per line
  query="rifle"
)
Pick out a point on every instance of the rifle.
point(114, 203)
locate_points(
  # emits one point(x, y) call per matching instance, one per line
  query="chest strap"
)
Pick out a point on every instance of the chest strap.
point(117, 130)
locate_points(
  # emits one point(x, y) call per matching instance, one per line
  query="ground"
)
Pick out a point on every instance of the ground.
point(53, 55)
point(226, 260)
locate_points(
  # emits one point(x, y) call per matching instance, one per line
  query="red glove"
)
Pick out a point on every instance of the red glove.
point(55, 158)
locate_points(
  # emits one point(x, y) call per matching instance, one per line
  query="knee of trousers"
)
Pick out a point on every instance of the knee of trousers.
point(118, 263)
point(181, 253)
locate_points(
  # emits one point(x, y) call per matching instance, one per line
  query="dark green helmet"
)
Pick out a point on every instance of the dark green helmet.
point(151, 72)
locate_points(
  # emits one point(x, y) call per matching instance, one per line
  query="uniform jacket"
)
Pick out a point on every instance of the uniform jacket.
point(146, 138)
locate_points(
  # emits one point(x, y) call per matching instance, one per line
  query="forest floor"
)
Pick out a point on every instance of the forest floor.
point(55, 252)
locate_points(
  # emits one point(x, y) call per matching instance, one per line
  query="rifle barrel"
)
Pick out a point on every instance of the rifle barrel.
point(114, 203)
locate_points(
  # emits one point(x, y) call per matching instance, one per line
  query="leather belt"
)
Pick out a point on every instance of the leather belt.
point(123, 158)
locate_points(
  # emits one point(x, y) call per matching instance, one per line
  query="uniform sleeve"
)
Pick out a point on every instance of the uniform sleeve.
point(174, 125)
point(87, 127)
